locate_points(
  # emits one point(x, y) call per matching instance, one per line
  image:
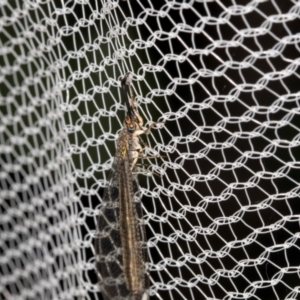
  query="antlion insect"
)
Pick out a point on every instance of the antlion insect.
point(120, 246)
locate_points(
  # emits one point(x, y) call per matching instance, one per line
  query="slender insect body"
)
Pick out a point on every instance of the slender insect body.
point(121, 232)
point(120, 246)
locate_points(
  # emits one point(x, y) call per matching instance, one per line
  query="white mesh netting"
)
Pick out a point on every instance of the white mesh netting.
point(223, 219)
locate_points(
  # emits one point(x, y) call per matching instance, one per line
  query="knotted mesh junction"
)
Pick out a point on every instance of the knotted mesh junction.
point(222, 77)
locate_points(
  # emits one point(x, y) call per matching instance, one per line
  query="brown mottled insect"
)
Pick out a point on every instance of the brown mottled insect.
point(120, 245)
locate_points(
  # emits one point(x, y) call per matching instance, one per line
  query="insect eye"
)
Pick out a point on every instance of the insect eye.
point(131, 127)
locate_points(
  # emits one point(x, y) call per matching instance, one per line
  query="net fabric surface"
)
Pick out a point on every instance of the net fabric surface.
point(223, 78)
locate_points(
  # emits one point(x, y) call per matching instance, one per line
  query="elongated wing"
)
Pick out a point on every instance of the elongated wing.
point(115, 227)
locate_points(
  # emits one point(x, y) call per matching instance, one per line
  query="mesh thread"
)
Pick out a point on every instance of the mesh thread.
point(222, 77)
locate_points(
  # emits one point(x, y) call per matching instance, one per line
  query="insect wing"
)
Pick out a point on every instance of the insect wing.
point(109, 250)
